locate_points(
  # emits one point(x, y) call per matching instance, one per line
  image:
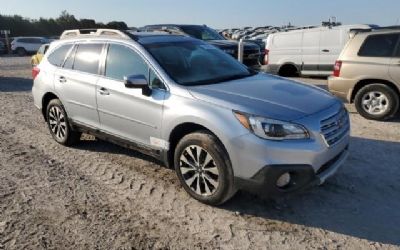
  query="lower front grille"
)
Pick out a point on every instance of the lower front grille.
point(334, 128)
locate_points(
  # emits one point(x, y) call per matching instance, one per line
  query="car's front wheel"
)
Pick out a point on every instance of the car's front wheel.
point(58, 123)
point(203, 168)
point(21, 52)
point(377, 102)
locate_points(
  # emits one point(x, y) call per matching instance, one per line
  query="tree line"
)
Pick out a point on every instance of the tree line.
point(20, 26)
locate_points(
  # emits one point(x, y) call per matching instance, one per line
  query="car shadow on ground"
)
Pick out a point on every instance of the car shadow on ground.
point(361, 201)
point(92, 144)
point(15, 84)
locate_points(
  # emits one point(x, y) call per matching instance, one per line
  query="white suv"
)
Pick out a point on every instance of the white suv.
point(24, 45)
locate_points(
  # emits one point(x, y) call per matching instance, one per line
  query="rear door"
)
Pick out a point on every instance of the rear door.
point(126, 112)
point(331, 44)
point(36, 43)
point(394, 70)
point(76, 83)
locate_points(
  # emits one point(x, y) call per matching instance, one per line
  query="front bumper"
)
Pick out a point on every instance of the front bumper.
point(257, 163)
point(301, 177)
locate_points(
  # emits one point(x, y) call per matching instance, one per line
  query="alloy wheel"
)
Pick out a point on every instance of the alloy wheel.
point(375, 102)
point(57, 122)
point(199, 170)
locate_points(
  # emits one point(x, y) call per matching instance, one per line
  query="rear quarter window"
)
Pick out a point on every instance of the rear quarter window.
point(379, 45)
point(57, 57)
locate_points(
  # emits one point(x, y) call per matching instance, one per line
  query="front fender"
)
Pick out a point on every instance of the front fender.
point(219, 120)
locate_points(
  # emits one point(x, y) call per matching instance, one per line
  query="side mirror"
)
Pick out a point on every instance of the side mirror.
point(137, 82)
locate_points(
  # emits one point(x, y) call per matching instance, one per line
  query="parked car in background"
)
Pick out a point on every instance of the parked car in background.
point(27, 45)
point(253, 53)
point(221, 125)
point(308, 51)
point(35, 60)
point(3, 48)
point(367, 73)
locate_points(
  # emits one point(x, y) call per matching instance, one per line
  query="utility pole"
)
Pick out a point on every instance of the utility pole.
point(6, 33)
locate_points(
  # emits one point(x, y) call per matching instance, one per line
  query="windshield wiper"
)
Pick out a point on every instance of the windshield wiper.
point(221, 79)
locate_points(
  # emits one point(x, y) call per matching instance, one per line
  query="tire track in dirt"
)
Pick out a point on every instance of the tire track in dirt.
point(121, 198)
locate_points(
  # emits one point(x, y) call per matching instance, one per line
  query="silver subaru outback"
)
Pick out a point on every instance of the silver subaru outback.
point(222, 126)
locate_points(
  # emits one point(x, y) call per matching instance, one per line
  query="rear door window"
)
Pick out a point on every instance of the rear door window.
point(23, 40)
point(57, 57)
point(87, 58)
point(379, 45)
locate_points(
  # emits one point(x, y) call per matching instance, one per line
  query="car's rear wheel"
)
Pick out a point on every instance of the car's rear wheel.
point(377, 102)
point(203, 168)
point(58, 123)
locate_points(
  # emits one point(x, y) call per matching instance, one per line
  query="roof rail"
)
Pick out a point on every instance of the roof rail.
point(354, 32)
point(94, 32)
point(393, 27)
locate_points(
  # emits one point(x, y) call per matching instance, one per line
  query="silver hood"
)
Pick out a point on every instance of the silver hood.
point(267, 96)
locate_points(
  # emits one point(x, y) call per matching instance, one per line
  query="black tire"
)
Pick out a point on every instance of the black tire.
point(21, 52)
point(61, 131)
point(288, 70)
point(220, 161)
point(391, 101)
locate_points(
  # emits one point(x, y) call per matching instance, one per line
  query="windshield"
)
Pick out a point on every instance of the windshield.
point(201, 32)
point(196, 63)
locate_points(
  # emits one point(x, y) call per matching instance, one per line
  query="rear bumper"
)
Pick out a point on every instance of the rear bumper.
point(302, 177)
point(341, 87)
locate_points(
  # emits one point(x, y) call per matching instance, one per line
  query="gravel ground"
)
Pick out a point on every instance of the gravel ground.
point(100, 196)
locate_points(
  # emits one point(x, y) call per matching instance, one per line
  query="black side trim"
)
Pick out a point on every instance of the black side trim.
point(156, 153)
point(309, 67)
point(326, 67)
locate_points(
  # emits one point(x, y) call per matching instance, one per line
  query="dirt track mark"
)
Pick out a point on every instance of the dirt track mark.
point(98, 195)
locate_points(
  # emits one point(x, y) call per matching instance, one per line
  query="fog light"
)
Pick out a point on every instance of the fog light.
point(283, 180)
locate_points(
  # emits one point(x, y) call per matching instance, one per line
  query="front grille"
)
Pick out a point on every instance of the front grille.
point(334, 128)
point(251, 51)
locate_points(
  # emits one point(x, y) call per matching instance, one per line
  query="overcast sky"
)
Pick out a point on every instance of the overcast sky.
point(215, 13)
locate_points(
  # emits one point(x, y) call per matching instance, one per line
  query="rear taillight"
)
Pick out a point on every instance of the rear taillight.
point(266, 57)
point(337, 68)
point(35, 72)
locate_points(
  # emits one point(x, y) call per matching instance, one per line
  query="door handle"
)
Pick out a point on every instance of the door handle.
point(104, 91)
point(325, 50)
point(62, 79)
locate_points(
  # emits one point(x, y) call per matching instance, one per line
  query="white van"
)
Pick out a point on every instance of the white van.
point(307, 51)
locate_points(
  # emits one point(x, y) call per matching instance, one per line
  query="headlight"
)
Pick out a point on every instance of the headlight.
point(272, 129)
point(229, 51)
